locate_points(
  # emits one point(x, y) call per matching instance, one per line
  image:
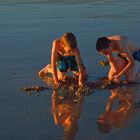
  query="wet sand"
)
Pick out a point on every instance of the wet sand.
point(27, 30)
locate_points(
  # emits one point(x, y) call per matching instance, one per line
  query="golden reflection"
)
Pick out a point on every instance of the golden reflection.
point(119, 110)
point(66, 109)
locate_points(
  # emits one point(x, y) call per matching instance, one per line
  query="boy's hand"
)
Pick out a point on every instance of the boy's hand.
point(117, 79)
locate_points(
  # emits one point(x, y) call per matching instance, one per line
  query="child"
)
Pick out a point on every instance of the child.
point(65, 57)
point(127, 50)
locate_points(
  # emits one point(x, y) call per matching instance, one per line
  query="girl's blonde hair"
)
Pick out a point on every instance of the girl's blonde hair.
point(70, 39)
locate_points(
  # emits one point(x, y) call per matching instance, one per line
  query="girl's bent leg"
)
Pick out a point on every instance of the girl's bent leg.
point(61, 75)
point(76, 74)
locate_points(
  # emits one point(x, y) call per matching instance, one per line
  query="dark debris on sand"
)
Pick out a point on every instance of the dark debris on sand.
point(105, 83)
point(71, 85)
point(33, 89)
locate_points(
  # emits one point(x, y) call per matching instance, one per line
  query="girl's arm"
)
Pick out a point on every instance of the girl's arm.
point(80, 66)
point(53, 61)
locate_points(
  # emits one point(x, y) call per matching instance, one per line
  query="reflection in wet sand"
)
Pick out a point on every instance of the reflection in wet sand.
point(66, 109)
point(118, 117)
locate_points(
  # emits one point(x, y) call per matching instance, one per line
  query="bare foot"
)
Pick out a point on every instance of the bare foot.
point(45, 71)
point(41, 74)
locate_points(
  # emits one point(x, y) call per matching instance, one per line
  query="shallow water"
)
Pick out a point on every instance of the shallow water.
point(27, 29)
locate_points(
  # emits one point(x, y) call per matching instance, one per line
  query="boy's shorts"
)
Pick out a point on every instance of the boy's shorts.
point(136, 55)
point(67, 63)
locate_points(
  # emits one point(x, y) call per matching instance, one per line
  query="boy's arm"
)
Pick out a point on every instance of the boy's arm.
point(80, 66)
point(53, 61)
point(125, 52)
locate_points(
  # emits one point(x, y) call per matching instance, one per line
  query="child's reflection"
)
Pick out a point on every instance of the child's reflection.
point(66, 112)
point(119, 117)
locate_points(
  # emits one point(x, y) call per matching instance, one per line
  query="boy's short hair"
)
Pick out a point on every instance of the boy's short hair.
point(102, 43)
point(70, 39)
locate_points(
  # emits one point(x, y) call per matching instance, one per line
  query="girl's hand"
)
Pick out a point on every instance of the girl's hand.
point(81, 84)
point(57, 84)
